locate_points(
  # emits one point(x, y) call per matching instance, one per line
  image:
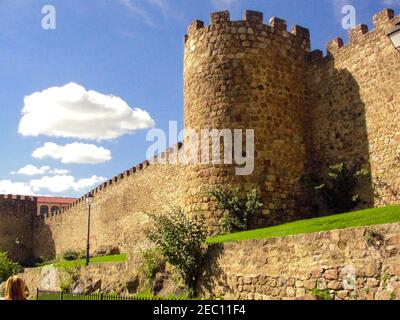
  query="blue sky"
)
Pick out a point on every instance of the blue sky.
point(126, 48)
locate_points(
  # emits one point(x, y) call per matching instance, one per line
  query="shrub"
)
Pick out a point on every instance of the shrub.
point(152, 263)
point(322, 294)
point(338, 189)
point(180, 240)
point(237, 208)
point(8, 268)
point(72, 276)
point(71, 255)
point(44, 261)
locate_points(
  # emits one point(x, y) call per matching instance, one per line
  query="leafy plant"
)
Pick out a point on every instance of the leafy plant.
point(237, 208)
point(152, 263)
point(339, 187)
point(373, 236)
point(72, 275)
point(180, 238)
point(8, 268)
point(322, 294)
point(70, 255)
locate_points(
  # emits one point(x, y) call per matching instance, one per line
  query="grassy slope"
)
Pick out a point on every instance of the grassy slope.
point(354, 219)
point(81, 262)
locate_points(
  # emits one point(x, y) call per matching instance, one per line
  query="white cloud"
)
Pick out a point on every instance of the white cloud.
point(80, 153)
point(31, 170)
point(73, 112)
point(59, 171)
point(63, 183)
point(54, 184)
point(21, 188)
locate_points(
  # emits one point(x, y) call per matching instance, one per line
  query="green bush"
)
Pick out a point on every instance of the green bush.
point(72, 275)
point(152, 263)
point(237, 208)
point(180, 239)
point(70, 255)
point(322, 294)
point(8, 268)
point(338, 189)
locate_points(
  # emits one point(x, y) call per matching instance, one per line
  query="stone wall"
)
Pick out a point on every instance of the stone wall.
point(117, 215)
point(107, 278)
point(347, 264)
point(250, 75)
point(361, 263)
point(355, 114)
point(16, 221)
point(307, 112)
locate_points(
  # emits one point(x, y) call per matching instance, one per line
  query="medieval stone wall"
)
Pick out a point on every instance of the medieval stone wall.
point(16, 221)
point(117, 215)
point(250, 75)
point(345, 264)
point(355, 114)
point(307, 112)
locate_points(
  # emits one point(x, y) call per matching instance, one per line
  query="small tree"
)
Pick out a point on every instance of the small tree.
point(338, 189)
point(238, 208)
point(180, 239)
point(8, 268)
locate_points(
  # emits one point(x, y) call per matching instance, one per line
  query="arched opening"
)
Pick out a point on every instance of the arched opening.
point(44, 210)
point(54, 209)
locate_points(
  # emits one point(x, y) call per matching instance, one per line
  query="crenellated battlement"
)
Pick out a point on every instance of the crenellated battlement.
point(161, 159)
point(383, 22)
point(20, 198)
point(27, 202)
point(307, 110)
point(253, 20)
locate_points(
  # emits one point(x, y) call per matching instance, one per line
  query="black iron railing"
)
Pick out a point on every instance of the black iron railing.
point(58, 295)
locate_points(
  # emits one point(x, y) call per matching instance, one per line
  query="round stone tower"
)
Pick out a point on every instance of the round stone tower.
point(249, 75)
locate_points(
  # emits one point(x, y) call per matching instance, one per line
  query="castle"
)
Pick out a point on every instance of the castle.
point(308, 111)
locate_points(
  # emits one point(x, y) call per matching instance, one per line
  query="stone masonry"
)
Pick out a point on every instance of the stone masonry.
point(308, 111)
point(344, 264)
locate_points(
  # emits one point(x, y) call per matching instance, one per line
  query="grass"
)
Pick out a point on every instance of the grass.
point(354, 219)
point(81, 262)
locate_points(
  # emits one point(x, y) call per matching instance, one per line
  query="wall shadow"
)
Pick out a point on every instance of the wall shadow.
point(336, 130)
point(43, 244)
point(212, 275)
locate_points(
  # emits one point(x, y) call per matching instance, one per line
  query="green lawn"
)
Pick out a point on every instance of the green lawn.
point(354, 219)
point(81, 262)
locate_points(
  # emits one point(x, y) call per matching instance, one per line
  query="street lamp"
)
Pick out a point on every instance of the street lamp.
point(89, 200)
point(394, 36)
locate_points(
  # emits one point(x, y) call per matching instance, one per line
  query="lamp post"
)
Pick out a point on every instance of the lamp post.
point(394, 36)
point(18, 242)
point(89, 201)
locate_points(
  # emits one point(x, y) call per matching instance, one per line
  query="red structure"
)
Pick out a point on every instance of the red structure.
point(47, 205)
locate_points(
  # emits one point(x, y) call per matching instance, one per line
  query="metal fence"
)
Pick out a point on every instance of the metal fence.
point(58, 295)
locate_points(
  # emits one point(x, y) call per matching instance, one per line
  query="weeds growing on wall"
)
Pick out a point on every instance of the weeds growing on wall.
point(237, 207)
point(8, 268)
point(72, 276)
point(338, 188)
point(180, 239)
point(152, 263)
